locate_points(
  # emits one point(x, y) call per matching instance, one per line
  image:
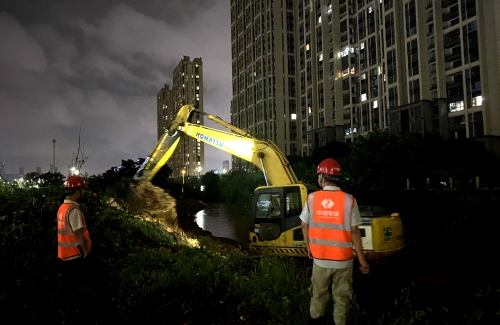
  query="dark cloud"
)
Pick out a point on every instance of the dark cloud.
point(96, 66)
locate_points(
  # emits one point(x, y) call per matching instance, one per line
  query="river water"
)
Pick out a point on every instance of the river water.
point(224, 221)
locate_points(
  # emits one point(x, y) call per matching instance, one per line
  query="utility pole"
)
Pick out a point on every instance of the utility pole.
point(54, 157)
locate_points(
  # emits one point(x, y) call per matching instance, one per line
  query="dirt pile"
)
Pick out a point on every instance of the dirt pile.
point(151, 202)
point(175, 215)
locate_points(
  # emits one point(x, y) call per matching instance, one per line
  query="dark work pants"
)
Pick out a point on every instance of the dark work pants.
point(72, 279)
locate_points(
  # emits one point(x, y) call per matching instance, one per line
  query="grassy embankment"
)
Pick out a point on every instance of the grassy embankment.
point(143, 273)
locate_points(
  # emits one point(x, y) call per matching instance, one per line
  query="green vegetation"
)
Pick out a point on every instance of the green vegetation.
point(142, 273)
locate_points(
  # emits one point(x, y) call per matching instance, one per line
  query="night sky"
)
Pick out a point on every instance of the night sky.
point(98, 66)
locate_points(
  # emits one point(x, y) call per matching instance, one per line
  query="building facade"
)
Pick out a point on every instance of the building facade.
point(225, 166)
point(187, 89)
point(309, 72)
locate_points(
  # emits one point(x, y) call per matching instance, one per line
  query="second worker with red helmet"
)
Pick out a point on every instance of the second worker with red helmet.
point(73, 247)
point(330, 221)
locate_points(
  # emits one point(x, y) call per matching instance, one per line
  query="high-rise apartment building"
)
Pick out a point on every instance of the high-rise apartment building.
point(225, 166)
point(263, 72)
point(165, 110)
point(187, 89)
point(308, 72)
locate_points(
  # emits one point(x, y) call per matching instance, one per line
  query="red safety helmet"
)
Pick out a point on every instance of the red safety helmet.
point(74, 181)
point(329, 167)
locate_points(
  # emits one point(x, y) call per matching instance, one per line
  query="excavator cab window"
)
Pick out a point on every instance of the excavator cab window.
point(268, 205)
point(293, 204)
point(275, 210)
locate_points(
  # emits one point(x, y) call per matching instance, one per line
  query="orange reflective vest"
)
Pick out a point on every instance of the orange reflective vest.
point(330, 235)
point(67, 246)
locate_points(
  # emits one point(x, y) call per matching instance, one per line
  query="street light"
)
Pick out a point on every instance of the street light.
point(74, 171)
point(199, 170)
point(183, 172)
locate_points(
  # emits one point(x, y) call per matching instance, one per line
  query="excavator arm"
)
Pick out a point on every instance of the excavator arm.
point(263, 154)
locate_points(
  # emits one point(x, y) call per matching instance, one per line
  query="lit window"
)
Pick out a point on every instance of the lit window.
point(353, 70)
point(363, 97)
point(477, 101)
point(319, 20)
point(294, 116)
point(370, 10)
point(330, 9)
point(362, 45)
point(321, 57)
point(457, 106)
point(307, 47)
point(345, 52)
point(363, 76)
point(375, 103)
point(310, 109)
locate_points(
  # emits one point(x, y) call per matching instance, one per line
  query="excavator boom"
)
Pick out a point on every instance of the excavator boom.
point(262, 153)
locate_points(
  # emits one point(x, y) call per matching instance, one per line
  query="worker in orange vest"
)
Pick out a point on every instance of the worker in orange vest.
point(330, 221)
point(73, 244)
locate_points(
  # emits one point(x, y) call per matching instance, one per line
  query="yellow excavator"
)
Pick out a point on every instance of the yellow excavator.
point(276, 207)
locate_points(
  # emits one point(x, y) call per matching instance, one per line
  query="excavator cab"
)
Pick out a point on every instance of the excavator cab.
point(276, 211)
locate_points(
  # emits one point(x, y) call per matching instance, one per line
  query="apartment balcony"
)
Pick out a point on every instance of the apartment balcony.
point(447, 3)
point(450, 16)
point(453, 65)
point(429, 19)
point(451, 43)
point(452, 57)
point(431, 46)
point(434, 86)
point(428, 5)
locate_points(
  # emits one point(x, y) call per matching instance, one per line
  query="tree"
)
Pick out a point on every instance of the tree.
point(32, 179)
point(162, 178)
point(211, 182)
point(51, 179)
point(384, 161)
point(237, 187)
point(335, 150)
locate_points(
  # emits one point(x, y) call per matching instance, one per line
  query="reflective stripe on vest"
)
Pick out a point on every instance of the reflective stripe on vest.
point(67, 245)
point(330, 235)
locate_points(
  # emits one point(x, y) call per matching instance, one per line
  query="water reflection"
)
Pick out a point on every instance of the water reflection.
point(223, 221)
